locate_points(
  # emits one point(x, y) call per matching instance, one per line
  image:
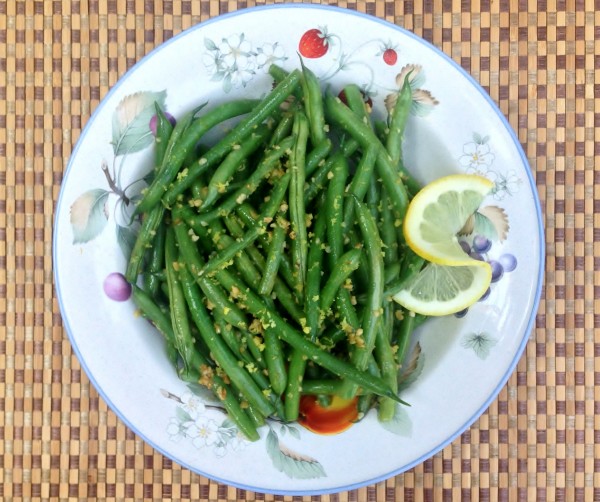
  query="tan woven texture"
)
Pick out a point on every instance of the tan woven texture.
point(539, 440)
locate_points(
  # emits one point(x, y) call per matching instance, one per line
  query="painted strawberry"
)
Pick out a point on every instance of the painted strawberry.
point(390, 56)
point(314, 43)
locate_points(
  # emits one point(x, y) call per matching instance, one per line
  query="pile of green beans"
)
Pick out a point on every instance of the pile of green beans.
point(264, 259)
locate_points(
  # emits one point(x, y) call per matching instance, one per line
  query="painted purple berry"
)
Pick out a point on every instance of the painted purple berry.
point(461, 313)
point(116, 287)
point(465, 246)
point(508, 261)
point(485, 295)
point(497, 270)
point(481, 244)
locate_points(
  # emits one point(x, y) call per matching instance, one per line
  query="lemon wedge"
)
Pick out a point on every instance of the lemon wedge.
point(438, 212)
point(439, 290)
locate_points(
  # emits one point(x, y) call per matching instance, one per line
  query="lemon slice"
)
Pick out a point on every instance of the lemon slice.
point(438, 212)
point(439, 290)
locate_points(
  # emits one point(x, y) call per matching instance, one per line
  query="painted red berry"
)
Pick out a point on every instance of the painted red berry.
point(390, 56)
point(313, 44)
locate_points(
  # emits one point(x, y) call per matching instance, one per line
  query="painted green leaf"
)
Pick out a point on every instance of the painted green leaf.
point(295, 433)
point(411, 368)
point(401, 424)
point(126, 239)
point(182, 415)
point(291, 463)
point(210, 45)
point(492, 222)
point(202, 392)
point(481, 343)
point(89, 215)
point(131, 121)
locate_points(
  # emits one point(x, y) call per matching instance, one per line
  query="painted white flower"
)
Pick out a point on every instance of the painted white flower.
point(193, 406)
point(204, 432)
point(505, 184)
point(175, 430)
point(269, 54)
point(212, 62)
point(476, 158)
point(238, 442)
point(220, 449)
point(236, 51)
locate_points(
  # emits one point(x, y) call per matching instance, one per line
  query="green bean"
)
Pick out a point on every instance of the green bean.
point(397, 122)
point(317, 155)
point(181, 144)
point(283, 128)
point(275, 252)
point(223, 175)
point(151, 311)
point(384, 354)
point(360, 181)
point(164, 129)
point(244, 265)
point(220, 260)
point(327, 387)
point(275, 361)
point(404, 335)
point(313, 98)
point(177, 305)
point(390, 176)
point(156, 260)
point(256, 306)
point(296, 370)
point(356, 102)
point(285, 296)
point(225, 330)
point(213, 292)
point(258, 114)
point(146, 234)
point(341, 271)
point(313, 273)
point(334, 207)
point(299, 243)
point(373, 310)
point(388, 237)
point(219, 350)
point(256, 350)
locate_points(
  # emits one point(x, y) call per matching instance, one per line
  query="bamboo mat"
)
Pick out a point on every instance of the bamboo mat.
point(539, 440)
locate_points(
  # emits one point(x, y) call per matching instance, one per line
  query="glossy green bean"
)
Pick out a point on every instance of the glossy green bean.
point(373, 309)
point(224, 173)
point(222, 258)
point(256, 306)
point(219, 350)
point(151, 221)
point(299, 243)
point(256, 116)
point(180, 146)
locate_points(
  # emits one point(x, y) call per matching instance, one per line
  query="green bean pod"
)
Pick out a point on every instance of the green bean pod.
point(223, 175)
point(151, 221)
point(373, 310)
point(237, 135)
point(299, 243)
point(221, 259)
point(257, 307)
point(181, 144)
point(221, 353)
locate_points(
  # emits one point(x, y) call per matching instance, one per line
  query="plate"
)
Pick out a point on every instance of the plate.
point(463, 361)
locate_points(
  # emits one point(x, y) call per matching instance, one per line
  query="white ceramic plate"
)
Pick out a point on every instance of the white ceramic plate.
point(455, 128)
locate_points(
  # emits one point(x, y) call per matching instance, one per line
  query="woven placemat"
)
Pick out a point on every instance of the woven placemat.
point(538, 440)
